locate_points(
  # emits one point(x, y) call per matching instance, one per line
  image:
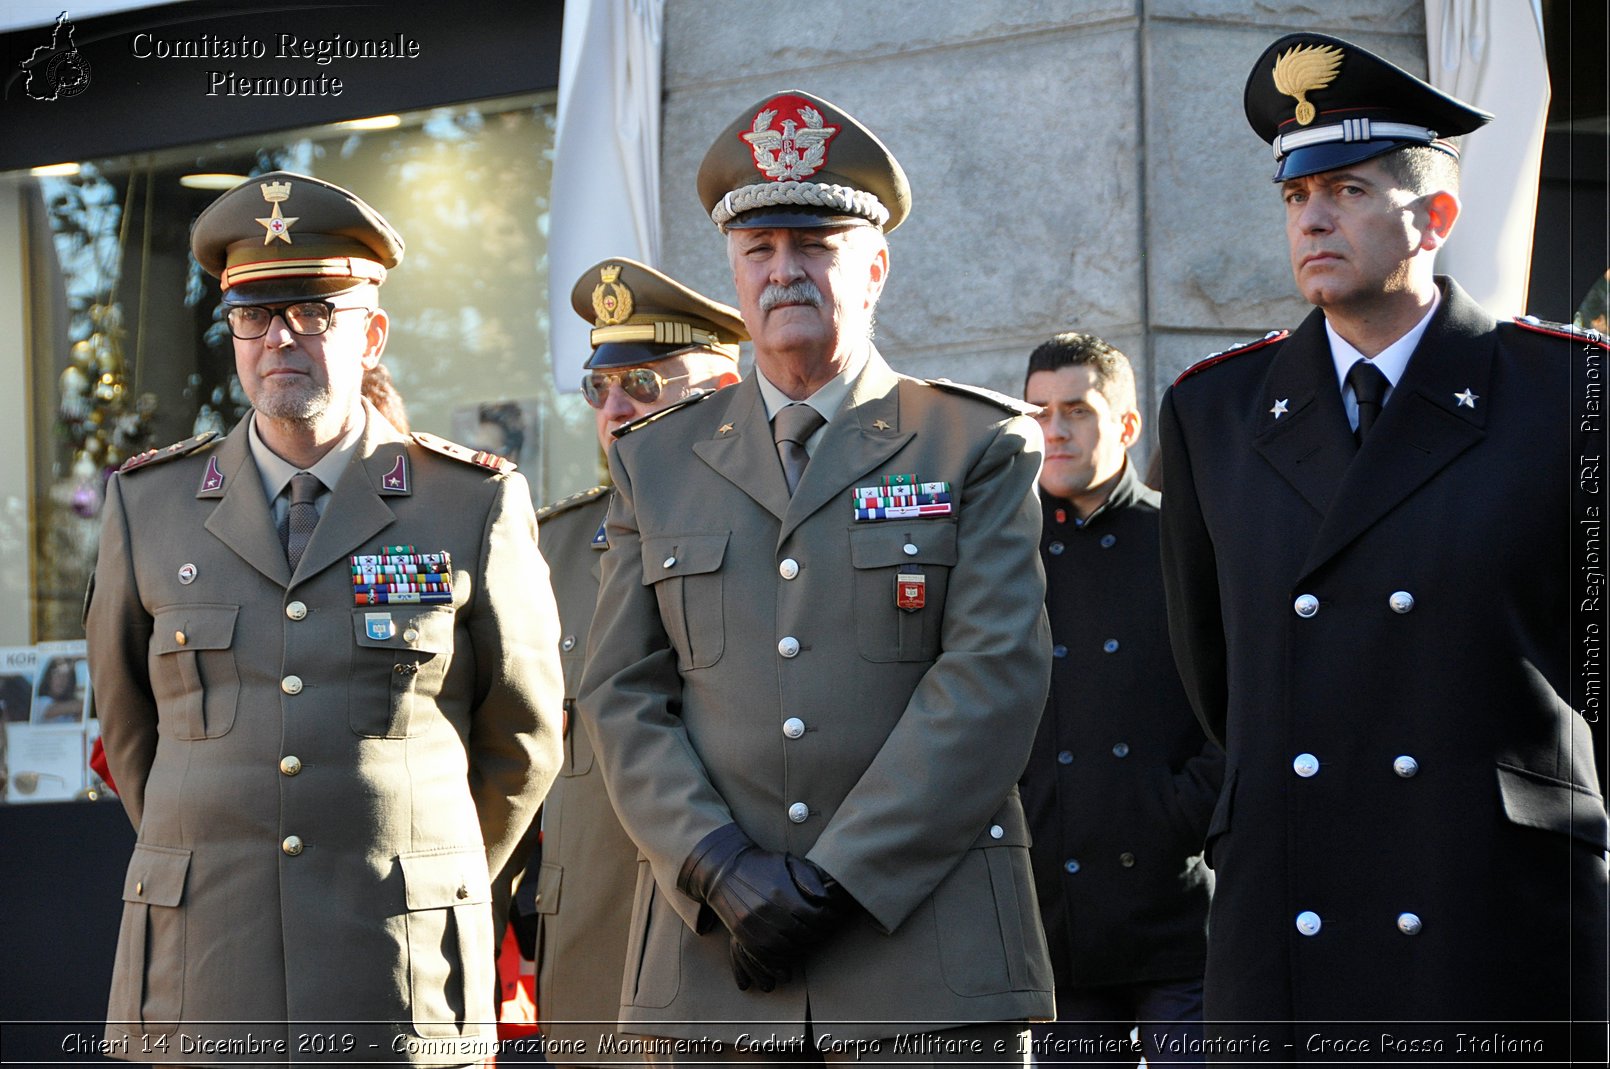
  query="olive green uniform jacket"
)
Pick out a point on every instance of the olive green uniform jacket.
point(748, 663)
point(319, 790)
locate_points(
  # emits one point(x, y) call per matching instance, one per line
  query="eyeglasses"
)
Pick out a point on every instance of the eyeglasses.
point(641, 384)
point(307, 318)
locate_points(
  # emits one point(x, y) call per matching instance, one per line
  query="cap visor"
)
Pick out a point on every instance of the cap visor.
point(631, 354)
point(784, 218)
point(280, 290)
point(1316, 159)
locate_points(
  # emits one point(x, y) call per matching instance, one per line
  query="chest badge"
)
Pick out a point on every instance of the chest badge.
point(910, 591)
point(213, 479)
point(187, 574)
point(378, 625)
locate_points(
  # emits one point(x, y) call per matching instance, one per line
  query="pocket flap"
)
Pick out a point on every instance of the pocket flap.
point(156, 875)
point(194, 627)
point(883, 545)
point(1008, 827)
point(548, 879)
point(669, 557)
point(1537, 801)
point(427, 629)
point(435, 880)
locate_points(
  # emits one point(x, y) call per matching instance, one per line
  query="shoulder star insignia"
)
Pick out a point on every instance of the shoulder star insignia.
point(725, 428)
point(879, 425)
point(1466, 399)
point(1280, 407)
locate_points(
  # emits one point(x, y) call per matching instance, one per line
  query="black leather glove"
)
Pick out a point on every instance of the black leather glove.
point(777, 907)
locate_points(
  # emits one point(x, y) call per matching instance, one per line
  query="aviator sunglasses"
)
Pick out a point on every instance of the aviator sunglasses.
point(641, 384)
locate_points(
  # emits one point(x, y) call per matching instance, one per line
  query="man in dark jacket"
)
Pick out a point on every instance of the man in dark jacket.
point(1122, 781)
point(1370, 541)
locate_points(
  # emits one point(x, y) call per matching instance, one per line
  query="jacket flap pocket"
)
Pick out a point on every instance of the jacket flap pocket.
point(435, 880)
point(1537, 801)
point(156, 875)
point(194, 627)
point(669, 557)
point(427, 630)
point(549, 876)
point(885, 545)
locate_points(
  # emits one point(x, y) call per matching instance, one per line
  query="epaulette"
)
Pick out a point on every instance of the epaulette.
point(1234, 350)
point(565, 504)
point(692, 397)
point(1011, 404)
point(479, 457)
point(1563, 330)
point(171, 452)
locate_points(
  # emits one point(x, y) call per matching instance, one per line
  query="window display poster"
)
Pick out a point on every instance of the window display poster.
point(44, 754)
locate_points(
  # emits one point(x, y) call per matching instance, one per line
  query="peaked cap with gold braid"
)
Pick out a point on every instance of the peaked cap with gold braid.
point(1324, 103)
point(640, 315)
point(290, 237)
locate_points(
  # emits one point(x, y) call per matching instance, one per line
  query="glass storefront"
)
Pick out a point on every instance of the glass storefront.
point(121, 345)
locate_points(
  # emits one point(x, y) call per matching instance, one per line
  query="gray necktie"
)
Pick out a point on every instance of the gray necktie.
point(1369, 389)
point(301, 517)
point(792, 427)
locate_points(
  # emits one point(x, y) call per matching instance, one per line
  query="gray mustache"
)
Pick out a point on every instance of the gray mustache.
point(802, 292)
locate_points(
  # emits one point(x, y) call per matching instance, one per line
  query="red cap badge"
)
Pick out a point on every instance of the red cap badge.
point(789, 139)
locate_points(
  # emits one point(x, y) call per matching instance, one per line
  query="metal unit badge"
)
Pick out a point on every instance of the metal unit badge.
point(277, 225)
point(796, 147)
point(910, 591)
point(378, 625)
point(1304, 69)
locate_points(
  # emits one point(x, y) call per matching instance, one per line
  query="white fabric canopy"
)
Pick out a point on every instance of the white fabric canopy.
point(606, 172)
point(1489, 53)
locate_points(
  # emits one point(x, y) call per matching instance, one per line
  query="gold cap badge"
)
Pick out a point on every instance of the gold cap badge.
point(1304, 69)
point(612, 298)
point(277, 225)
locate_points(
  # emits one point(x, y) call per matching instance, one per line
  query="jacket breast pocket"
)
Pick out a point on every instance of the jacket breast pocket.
point(450, 943)
point(898, 615)
point(1534, 800)
point(149, 985)
point(400, 658)
point(193, 672)
point(685, 572)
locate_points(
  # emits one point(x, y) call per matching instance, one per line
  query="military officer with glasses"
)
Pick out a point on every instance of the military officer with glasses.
point(325, 656)
point(656, 344)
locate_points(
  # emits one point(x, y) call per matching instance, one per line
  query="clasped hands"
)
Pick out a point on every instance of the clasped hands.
point(777, 907)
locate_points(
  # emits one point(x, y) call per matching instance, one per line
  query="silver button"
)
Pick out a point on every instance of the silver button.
point(1409, 924)
point(290, 764)
point(1059, 651)
point(670, 562)
point(568, 643)
point(1121, 750)
point(291, 684)
point(997, 832)
point(1305, 765)
point(1055, 549)
point(799, 812)
point(789, 646)
point(1308, 922)
point(909, 549)
point(1108, 541)
point(411, 635)
point(1401, 601)
point(296, 610)
point(292, 845)
point(788, 568)
point(793, 727)
point(1126, 859)
point(1110, 646)
point(1405, 766)
point(1070, 866)
point(1065, 757)
point(1306, 605)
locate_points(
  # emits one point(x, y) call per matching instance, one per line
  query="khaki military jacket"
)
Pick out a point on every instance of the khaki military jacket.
point(748, 662)
point(319, 788)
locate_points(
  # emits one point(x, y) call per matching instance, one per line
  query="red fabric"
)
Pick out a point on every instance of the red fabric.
point(97, 761)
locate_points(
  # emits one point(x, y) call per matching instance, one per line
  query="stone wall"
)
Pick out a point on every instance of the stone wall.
point(1075, 164)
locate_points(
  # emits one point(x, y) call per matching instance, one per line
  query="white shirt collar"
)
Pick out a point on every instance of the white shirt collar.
point(1390, 361)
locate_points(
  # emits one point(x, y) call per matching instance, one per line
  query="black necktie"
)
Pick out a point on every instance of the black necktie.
point(792, 427)
point(301, 517)
point(1369, 388)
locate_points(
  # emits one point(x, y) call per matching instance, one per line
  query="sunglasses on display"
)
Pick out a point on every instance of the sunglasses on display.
point(641, 384)
point(307, 318)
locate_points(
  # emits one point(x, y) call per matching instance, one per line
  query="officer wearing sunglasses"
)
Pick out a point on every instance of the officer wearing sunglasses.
point(656, 344)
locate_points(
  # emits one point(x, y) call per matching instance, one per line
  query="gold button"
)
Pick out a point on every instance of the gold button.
point(291, 684)
point(410, 635)
point(290, 764)
point(292, 845)
point(139, 887)
point(180, 637)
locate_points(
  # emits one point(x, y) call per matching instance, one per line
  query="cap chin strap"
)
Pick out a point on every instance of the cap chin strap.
point(1356, 130)
point(799, 194)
